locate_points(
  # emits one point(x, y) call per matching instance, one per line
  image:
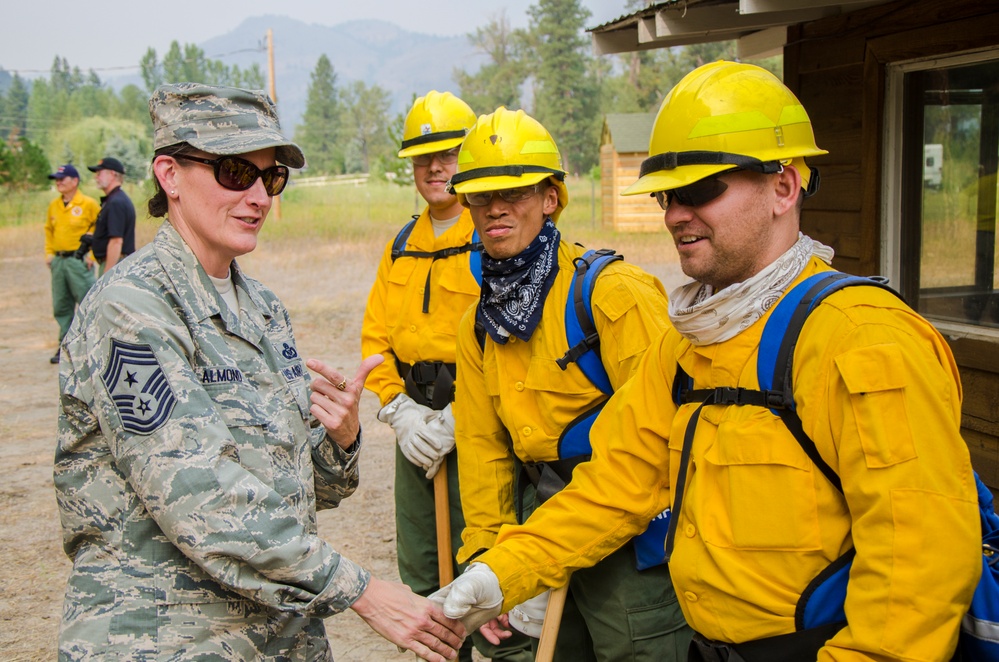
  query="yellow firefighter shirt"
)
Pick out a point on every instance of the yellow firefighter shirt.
point(64, 224)
point(513, 399)
point(878, 391)
point(395, 325)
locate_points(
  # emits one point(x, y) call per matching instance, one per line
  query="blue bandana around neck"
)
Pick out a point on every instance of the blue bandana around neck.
point(514, 289)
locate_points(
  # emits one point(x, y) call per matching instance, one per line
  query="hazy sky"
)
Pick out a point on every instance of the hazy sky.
point(116, 33)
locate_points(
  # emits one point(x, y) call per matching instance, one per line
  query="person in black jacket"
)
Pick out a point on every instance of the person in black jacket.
point(114, 234)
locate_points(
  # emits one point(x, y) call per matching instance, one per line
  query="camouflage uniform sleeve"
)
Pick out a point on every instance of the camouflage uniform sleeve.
point(336, 469)
point(227, 479)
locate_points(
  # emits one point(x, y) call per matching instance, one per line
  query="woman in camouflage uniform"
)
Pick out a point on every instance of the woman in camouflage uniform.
point(191, 455)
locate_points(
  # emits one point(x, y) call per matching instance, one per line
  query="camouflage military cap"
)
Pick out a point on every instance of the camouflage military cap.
point(219, 120)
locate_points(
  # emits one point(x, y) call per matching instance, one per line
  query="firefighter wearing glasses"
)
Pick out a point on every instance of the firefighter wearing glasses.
point(424, 283)
point(515, 403)
point(754, 518)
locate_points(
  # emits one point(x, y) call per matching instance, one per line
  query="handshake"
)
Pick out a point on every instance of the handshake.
point(85, 242)
point(475, 598)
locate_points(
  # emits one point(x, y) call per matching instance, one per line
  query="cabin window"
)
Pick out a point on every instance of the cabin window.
point(949, 135)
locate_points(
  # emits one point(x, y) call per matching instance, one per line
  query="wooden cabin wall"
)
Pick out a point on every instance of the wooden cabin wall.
point(837, 68)
point(632, 213)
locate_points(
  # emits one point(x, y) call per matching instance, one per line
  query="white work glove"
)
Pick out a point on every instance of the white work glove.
point(474, 597)
point(407, 419)
point(529, 615)
point(438, 434)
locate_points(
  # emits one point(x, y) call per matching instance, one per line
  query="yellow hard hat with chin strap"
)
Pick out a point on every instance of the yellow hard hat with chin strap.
point(726, 116)
point(437, 122)
point(508, 149)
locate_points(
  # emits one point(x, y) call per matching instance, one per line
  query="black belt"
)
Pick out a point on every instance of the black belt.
point(793, 647)
point(429, 383)
point(65, 253)
point(549, 478)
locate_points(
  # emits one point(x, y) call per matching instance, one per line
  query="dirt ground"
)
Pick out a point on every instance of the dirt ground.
point(324, 285)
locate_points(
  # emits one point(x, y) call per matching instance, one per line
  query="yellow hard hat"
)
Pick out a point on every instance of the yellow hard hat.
point(508, 149)
point(722, 116)
point(436, 122)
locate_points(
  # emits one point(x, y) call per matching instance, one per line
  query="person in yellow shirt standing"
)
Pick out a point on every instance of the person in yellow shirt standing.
point(526, 389)
point(424, 283)
point(70, 216)
point(755, 519)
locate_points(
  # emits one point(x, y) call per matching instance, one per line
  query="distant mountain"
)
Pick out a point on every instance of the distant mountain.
point(376, 52)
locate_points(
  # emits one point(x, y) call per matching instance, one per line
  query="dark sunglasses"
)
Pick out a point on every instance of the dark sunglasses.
point(238, 174)
point(699, 193)
point(447, 157)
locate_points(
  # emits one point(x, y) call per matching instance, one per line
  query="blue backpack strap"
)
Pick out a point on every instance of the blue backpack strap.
point(575, 438)
point(580, 331)
point(473, 247)
point(584, 346)
point(683, 384)
point(399, 243)
point(776, 355)
point(979, 638)
point(475, 258)
point(584, 350)
point(821, 603)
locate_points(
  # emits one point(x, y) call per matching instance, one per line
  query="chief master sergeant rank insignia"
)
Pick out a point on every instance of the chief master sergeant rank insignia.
point(138, 387)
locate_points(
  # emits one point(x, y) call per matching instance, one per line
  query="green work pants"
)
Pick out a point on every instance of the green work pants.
point(70, 282)
point(416, 546)
point(616, 613)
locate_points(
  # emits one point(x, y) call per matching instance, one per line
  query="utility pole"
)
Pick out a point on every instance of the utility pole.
point(273, 93)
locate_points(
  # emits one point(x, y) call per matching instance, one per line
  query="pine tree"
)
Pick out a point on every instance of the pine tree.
point(131, 103)
point(565, 97)
point(25, 166)
point(251, 78)
point(364, 113)
point(399, 171)
point(15, 109)
point(497, 82)
point(319, 132)
point(152, 70)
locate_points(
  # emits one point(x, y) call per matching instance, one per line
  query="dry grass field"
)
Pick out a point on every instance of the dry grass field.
point(323, 278)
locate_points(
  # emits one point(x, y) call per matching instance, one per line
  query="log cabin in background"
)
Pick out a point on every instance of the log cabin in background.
point(624, 144)
point(905, 96)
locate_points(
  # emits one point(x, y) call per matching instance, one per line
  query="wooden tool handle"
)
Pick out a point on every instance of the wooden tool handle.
point(549, 630)
point(445, 564)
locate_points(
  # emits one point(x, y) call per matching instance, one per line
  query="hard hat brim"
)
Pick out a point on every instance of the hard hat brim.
point(500, 182)
point(429, 148)
point(667, 180)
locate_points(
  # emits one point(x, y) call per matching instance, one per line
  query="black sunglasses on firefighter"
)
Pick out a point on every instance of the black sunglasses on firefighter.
point(699, 193)
point(238, 174)
point(705, 190)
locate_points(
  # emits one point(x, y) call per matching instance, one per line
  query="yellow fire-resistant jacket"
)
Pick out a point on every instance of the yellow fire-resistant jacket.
point(395, 325)
point(878, 391)
point(64, 224)
point(516, 391)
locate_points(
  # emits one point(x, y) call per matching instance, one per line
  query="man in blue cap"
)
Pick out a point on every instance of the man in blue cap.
point(114, 237)
point(70, 216)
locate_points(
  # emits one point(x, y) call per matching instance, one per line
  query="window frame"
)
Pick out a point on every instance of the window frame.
point(901, 237)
